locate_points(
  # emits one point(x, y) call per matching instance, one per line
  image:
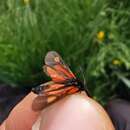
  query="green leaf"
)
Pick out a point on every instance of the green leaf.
point(124, 80)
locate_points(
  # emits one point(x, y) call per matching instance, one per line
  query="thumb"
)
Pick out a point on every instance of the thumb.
point(73, 113)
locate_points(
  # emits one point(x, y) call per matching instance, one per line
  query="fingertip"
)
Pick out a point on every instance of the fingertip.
point(75, 112)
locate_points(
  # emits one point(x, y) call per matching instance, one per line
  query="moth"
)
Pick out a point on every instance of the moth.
point(63, 82)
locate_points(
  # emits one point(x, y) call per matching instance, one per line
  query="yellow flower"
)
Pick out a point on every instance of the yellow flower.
point(116, 62)
point(26, 1)
point(101, 36)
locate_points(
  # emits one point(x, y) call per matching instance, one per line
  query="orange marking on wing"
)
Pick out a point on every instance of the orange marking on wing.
point(51, 99)
point(63, 91)
point(73, 90)
point(54, 75)
point(53, 87)
point(64, 71)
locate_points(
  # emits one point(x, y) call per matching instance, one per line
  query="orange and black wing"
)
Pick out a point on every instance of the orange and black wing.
point(50, 94)
point(56, 69)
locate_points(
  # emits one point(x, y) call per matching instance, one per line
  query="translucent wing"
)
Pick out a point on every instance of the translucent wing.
point(51, 94)
point(46, 87)
point(56, 68)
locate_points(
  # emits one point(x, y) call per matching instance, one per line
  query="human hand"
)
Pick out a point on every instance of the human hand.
point(22, 117)
point(70, 113)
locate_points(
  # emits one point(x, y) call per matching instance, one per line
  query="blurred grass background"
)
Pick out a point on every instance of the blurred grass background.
point(90, 34)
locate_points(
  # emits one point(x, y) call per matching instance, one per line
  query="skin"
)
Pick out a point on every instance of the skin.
point(22, 116)
point(73, 112)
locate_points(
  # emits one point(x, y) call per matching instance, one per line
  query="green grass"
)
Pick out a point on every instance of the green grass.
point(28, 31)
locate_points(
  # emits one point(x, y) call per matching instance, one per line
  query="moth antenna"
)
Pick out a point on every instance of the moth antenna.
point(83, 75)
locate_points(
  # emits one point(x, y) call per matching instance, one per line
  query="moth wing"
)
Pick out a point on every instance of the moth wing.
point(47, 87)
point(47, 98)
point(56, 68)
point(42, 101)
point(55, 75)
